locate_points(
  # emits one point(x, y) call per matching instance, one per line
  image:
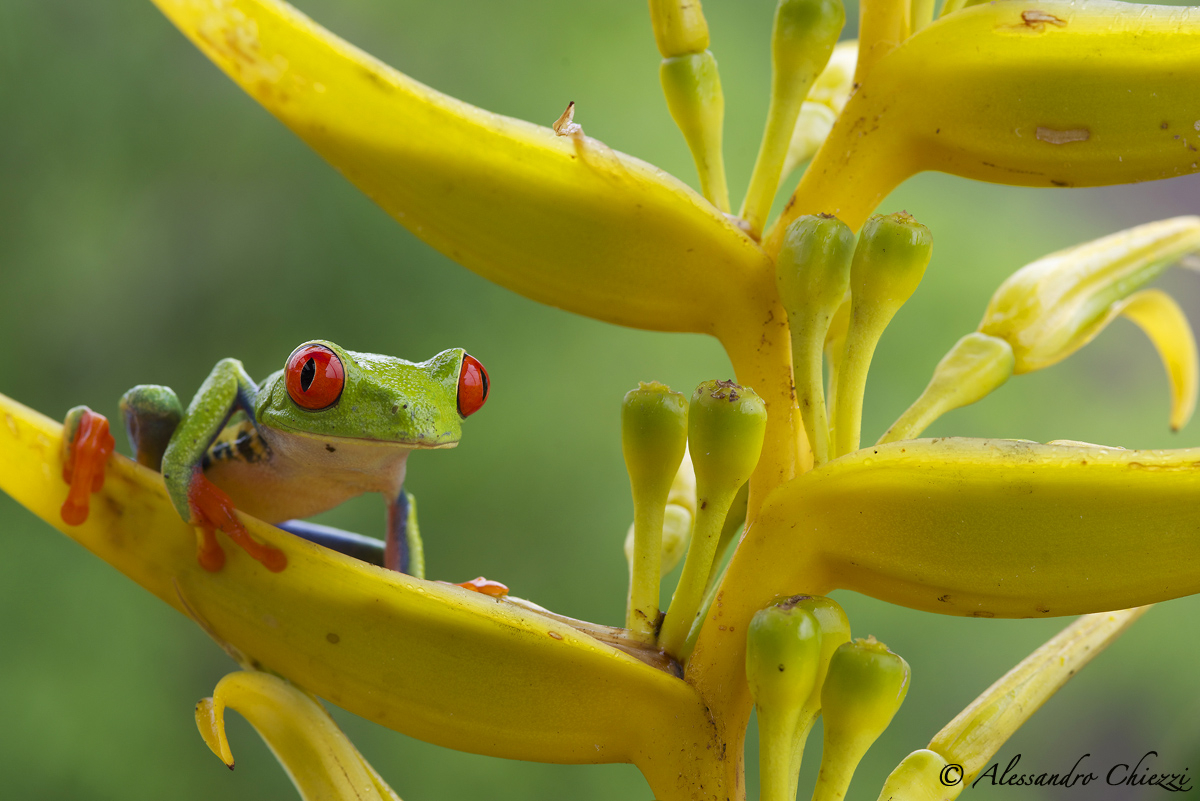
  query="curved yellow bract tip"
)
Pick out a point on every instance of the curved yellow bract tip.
point(1159, 316)
point(322, 763)
point(561, 220)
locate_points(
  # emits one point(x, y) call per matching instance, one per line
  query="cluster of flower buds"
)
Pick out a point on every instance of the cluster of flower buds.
point(818, 263)
point(723, 428)
point(801, 663)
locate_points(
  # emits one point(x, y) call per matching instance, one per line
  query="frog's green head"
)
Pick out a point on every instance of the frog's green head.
point(329, 391)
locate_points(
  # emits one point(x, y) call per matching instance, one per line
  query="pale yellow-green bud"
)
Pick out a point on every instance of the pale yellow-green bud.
point(679, 27)
point(653, 439)
point(726, 426)
point(802, 40)
point(692, 86)
point(974, 367)
point(889, 263)
point(923, 776)
point(862, 692)
point(783, 655)
point(1049, 309)
point(812, 273)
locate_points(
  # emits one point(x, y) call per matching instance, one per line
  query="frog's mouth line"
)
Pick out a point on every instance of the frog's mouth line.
point(412, 444)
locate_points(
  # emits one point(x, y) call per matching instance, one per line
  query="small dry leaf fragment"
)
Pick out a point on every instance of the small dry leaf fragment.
point(564, 126)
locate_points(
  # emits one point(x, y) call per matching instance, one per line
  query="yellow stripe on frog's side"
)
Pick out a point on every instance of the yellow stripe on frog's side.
point(238, 442)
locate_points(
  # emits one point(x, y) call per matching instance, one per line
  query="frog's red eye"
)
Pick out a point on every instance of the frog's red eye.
point(314, 376)
point(472, 386)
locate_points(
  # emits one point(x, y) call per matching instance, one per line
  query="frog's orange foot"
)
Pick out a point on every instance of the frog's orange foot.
point(87, 454)
point(481, 585)
point(213, 509)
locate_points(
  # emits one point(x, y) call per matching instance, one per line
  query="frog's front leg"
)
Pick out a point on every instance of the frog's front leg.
point(152, 414)
point(404, 551)
point(227, 389)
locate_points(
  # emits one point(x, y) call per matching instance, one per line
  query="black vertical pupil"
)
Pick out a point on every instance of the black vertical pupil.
point(307, 374)
point(483, 377)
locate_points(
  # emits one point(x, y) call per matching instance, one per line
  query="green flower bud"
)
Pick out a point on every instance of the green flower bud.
point(812, 273)
point(785, 722)
point(783, 655)
point(692, 87)
point(864, 689)
point(802, 40)
point(653, 439)
point(889, 263)
point(726, 426)
point(679, 27)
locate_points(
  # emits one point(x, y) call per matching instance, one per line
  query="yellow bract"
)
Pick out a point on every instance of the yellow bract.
point(436, 662)
point(561, 220)
point(1054, 93)
point(986, 528)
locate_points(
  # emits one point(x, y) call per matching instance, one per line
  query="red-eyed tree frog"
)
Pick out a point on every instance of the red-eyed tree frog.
point(331, 425)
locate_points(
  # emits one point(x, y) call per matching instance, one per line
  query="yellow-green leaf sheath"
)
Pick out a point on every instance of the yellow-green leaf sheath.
point(1052, 307)
point(322, 763)
point(448, 666)
point(802, 40)
point(974, 367)
point(985, 528)
point(1159, 316)
point(976, 733)
point(562, 220)
point(1052, 93)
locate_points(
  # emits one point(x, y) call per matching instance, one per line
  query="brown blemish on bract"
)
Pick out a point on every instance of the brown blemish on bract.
point(1055, 136)
point(1038, 20)
point(981, 613)
point(333, 638)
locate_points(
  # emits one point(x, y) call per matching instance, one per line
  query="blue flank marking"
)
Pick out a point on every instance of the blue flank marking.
point(399, 521)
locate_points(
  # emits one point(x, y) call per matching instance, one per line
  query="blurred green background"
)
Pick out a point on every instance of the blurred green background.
point(153, 219)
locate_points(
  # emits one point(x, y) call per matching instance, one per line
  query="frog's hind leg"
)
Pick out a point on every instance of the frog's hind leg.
point(404, 550)
point(152, 413)
point(86, 446)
